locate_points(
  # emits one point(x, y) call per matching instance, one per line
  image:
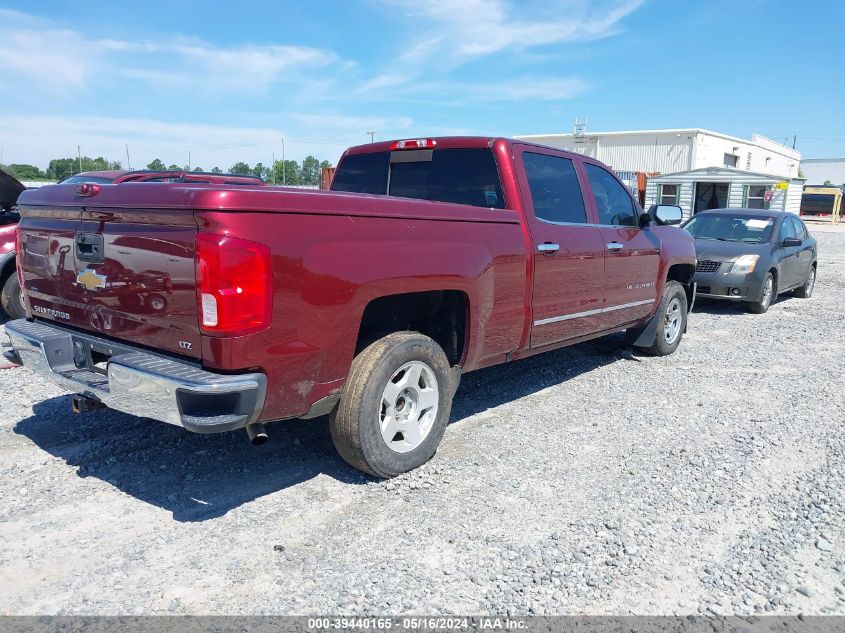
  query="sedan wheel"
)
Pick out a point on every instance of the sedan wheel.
point(769, 293)
point(806, 291)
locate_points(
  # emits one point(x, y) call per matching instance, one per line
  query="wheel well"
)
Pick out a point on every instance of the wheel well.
point(440, 314)
point(682, 273)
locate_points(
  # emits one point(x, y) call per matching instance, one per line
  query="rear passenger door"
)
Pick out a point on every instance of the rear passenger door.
point(568, 251)
point(632, 254)
point(805, 252)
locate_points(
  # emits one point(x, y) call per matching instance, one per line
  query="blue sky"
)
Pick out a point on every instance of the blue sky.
point(228, 80)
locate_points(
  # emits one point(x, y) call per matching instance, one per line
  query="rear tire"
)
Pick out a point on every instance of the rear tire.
point(395, 405)
point(672, 321)
point(806, 291)
point(770, 291)
point(11, 298)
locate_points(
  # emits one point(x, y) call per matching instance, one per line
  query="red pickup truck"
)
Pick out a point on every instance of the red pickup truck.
point(218, 307)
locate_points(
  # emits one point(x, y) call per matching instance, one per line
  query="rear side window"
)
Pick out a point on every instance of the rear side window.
point(613, 203)
point(362, 173)
point(459, 176)
point(555, 191)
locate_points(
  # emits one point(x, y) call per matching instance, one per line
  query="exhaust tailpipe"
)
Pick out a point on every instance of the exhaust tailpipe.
point(257, 434)
point(84, 404)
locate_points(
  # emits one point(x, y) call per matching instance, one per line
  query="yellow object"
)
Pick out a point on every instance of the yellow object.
point(836, 192)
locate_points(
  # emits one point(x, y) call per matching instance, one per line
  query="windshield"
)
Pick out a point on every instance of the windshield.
point(735, 227)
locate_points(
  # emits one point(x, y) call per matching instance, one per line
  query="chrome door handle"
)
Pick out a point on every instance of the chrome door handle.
point(615, 246)
point(548, 247)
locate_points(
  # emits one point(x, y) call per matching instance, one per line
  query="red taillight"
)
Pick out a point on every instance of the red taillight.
point(235, 285)
point(87, 189)
point(414, 143)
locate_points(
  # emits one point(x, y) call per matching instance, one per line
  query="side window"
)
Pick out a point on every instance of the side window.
point(613, 203)
point(787, 229)
point(755, 197)
point(555, 191)
point(669, 194)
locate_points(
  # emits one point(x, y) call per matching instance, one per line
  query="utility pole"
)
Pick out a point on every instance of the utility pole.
point(372, 136)
point(79, 155)
point(128, 162)
point(794, 140)
point(284, 176)
point(189, 160)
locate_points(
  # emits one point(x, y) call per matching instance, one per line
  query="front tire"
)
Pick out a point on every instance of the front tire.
point(395, 405)
point(11, 298)
point(671, 321)
point(769, 293)
point(806, 291)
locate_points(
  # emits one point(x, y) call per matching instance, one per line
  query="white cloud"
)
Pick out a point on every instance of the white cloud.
point(37, 139)
point(535, 88)
point(332, 122)
point(465, 29)
point(445, 34)
point(66, 59)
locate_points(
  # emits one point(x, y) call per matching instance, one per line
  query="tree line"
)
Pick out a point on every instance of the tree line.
point(290, 172)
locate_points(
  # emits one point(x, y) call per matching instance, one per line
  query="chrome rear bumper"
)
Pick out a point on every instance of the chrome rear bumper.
point(135, 381)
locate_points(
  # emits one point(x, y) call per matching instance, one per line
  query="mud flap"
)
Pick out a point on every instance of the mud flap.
point(642, 336)
point(690, 289)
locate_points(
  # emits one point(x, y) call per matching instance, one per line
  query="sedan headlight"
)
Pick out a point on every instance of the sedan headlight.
point(745, 264)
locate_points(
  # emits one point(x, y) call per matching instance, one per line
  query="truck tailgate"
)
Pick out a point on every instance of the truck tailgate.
point(125, 273)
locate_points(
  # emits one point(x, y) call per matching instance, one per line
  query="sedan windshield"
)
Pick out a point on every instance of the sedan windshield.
point(731, 227)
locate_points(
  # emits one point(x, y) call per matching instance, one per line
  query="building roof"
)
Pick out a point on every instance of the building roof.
point(823, 160)
point(730, 170)
point(688, 130)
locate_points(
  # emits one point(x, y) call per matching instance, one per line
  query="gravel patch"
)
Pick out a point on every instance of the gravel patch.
point(588, 480)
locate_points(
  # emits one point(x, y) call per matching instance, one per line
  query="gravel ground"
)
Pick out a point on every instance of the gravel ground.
point(588, 480)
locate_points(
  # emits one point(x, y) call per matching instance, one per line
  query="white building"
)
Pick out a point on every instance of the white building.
point(670, 151)
point(818, 171)
point(720, 187)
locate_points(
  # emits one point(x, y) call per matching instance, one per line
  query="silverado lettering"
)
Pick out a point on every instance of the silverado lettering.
point(229, 307)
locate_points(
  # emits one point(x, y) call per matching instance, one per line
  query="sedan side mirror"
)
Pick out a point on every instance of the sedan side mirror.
point(789, 242)
point(665, 214)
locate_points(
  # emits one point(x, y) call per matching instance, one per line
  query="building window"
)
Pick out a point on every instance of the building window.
point(670, 194)
point(730, 160)
point(755, 197)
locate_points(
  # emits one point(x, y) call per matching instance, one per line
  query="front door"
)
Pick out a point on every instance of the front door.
point(790, 256)
point(568, 250)
point(710, 195)
point(632, 257)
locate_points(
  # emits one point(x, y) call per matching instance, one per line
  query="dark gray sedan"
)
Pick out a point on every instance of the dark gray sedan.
point(752, 255)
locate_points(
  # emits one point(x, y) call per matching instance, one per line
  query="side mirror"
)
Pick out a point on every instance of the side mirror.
point(666, 214)
point(789, 242)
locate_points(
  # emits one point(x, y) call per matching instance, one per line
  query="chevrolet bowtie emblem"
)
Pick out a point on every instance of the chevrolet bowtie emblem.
point(91, 280)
